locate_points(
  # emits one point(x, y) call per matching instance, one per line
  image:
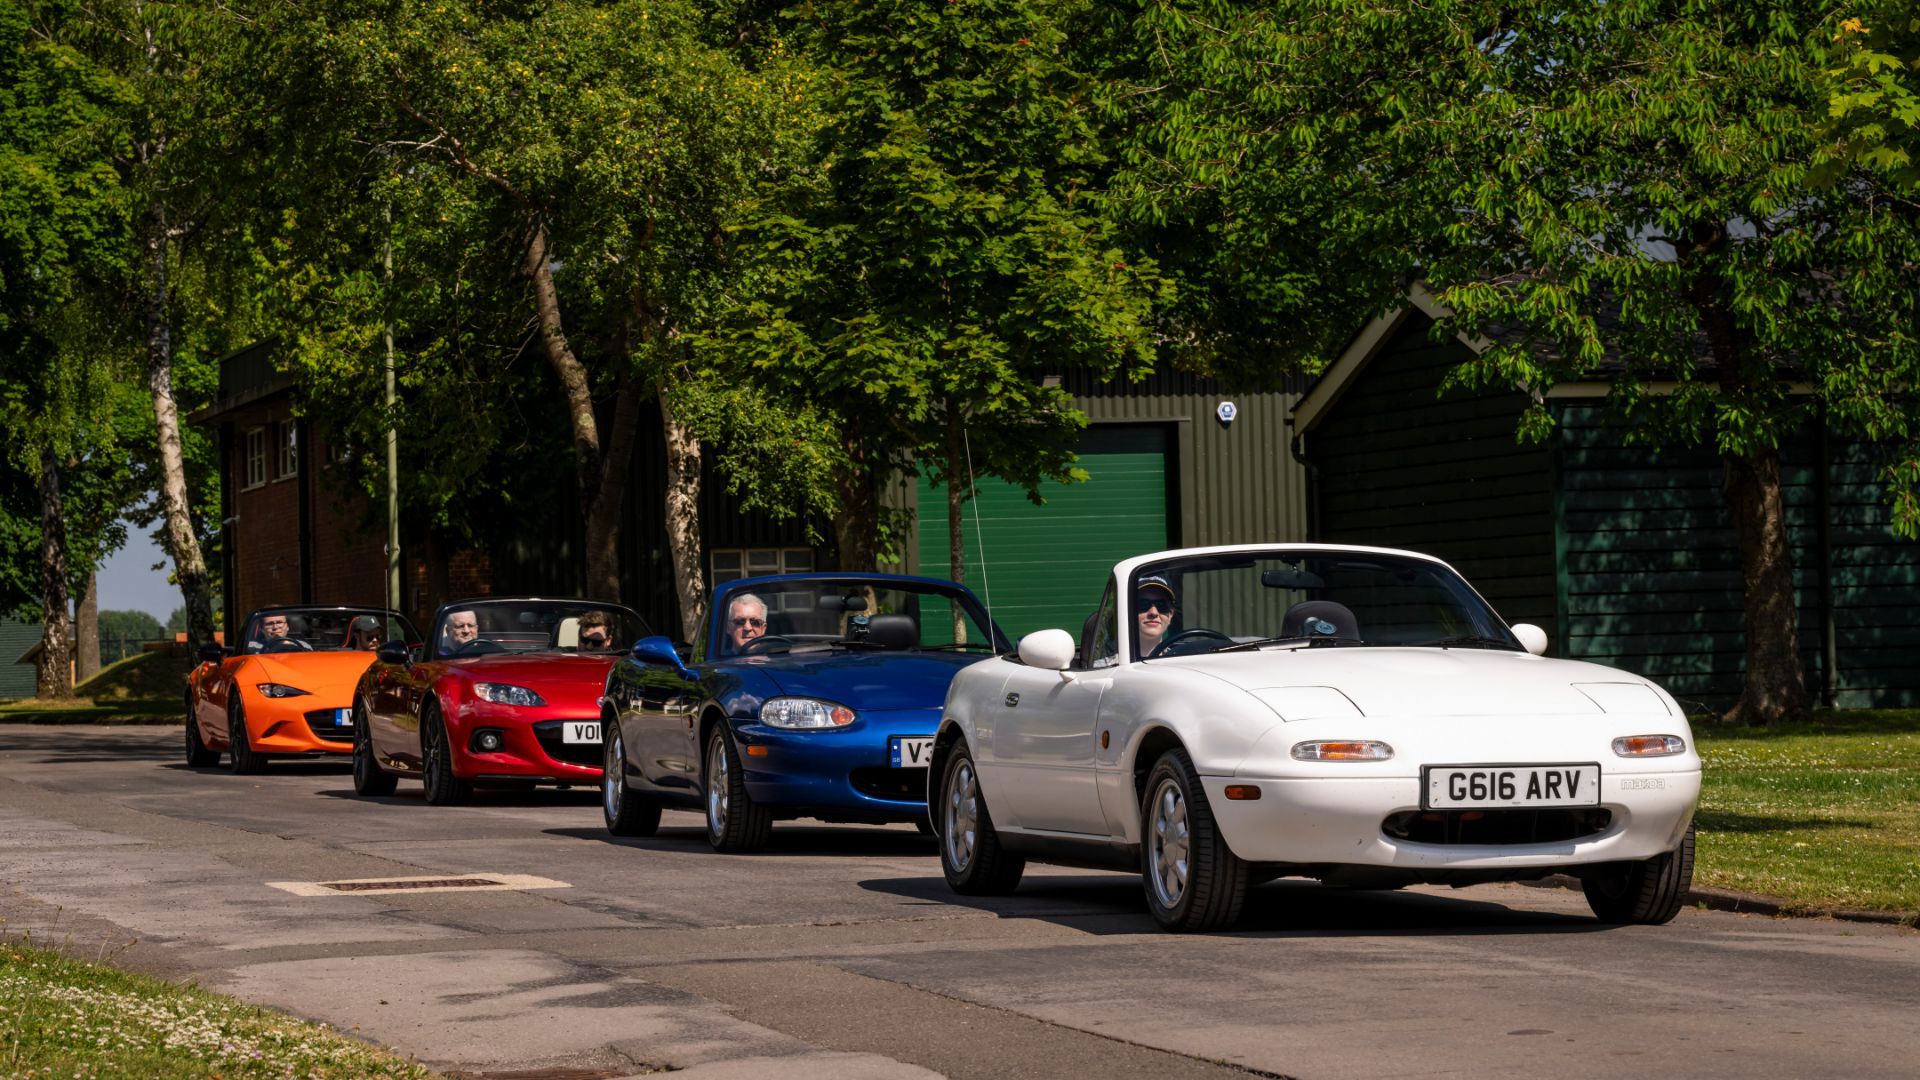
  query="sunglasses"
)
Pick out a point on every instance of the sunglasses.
point(593, 639)
point(1144, 604)
point(749, 622)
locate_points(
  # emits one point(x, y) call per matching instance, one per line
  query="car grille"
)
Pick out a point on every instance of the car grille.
point(548, 732)
point(321, 723)
point(1496, 826)
point(883, 783)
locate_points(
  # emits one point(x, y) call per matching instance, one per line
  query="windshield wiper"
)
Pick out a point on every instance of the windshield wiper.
point(954, 646)
point(1465, 640)
point(1310, 642)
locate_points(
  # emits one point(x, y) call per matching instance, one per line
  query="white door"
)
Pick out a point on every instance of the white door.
point(1044, 733)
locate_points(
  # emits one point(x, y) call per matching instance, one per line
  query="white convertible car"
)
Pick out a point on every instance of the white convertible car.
point(1359, 715)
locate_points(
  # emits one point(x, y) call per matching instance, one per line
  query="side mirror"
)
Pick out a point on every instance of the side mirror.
point(212, 654)
point(659, 649)
point(1534, 638)
point(1048, 650)
point(395, 652)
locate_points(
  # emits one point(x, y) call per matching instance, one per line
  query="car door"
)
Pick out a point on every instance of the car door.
point(394, 707)
point(1043, 749)
point(659, 709)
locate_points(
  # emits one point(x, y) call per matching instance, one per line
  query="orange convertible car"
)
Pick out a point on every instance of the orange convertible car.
point(287, 691)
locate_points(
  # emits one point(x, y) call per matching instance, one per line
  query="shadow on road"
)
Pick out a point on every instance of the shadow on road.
point(1113, 904)
point(414, 795)
point(786, 840)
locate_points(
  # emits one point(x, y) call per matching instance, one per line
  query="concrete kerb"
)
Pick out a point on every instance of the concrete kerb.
point(1746, 903)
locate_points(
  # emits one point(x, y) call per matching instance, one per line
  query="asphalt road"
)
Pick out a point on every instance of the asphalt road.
point(840, 952)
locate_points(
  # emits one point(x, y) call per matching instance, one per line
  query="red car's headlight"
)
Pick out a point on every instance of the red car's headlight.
point(506, 694)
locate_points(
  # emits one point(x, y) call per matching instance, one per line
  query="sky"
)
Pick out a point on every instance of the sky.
point(129, 582)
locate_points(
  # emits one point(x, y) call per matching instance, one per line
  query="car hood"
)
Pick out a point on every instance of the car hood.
point(557, 677)
point(1382, 681)
point(314, 672)
point(874, 682)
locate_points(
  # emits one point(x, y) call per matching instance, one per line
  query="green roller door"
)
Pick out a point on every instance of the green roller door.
point(1048, 564)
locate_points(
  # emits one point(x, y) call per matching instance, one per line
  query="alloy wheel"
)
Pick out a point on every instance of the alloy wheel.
point(962, 817)
point(718, 781)
point(1169, 845)
point(614, 782)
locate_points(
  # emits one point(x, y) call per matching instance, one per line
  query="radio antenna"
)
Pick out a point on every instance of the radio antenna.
point(980, 542)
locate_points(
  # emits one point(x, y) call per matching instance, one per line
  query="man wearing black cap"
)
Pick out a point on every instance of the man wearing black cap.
point(1154, 605)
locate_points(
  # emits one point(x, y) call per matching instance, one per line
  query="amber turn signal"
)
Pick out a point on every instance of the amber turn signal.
point(1243, 792)
point(756, 751)
point(1649, 745)
point(1347, 750)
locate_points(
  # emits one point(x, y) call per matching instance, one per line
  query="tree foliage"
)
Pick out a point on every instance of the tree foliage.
point(943, 254)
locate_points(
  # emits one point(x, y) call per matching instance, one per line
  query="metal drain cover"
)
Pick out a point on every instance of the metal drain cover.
point(424, 883)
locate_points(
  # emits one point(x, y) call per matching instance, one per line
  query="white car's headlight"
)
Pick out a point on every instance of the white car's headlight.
point(278, 690)
point(1649, 746)
point(1342, 750)
point(506, 694)
point(799, 713)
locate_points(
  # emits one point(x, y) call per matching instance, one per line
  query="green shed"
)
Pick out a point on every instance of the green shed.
point(17, 680)
point(1624, 554)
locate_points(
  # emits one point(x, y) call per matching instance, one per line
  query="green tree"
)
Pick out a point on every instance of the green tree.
point(1630, 186)
point(1874, 90)
point(123, 632)
point(558, 177)
point(944, 254)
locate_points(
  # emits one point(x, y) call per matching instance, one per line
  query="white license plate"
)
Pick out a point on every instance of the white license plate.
point(910, 753)
point(580, 732)
point(1495, 786)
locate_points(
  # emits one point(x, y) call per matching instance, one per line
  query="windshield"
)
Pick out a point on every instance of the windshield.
point(279, 630)
point(533, 626)
point(822, 614)
point(1210, 603)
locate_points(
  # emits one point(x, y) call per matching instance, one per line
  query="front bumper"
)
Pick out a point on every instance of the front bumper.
point(1338, 821)
point(295, 726)
point(845, 771)
point(533, 749)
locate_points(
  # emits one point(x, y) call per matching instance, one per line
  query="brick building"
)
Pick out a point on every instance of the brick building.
point(294, 528)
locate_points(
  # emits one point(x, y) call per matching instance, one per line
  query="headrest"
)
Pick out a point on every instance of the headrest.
point(1320, 618)
point(893, 631)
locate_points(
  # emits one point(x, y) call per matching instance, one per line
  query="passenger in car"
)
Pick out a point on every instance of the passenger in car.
point(596, 631)
point(746, 620)
point(1154, 605)
point(364, 634)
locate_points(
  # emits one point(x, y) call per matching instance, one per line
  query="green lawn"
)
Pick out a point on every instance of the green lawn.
point(1824, 814)
point(64, 1017)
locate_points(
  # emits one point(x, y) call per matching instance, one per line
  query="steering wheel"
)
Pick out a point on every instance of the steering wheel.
point(761, 643)
point(1198, 631)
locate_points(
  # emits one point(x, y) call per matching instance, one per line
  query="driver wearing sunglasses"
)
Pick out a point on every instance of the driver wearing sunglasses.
point(746, 620)
point(1154, 606)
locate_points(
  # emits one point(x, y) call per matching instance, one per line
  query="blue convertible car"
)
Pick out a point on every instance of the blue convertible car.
point(804, 695)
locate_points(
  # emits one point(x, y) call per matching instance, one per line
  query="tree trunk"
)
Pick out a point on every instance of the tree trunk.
point(1775, 685)
point(856, 528)
point(183, 545)
point(683, 518)
point(86, 631)
point(53, 678)
point(958, 481)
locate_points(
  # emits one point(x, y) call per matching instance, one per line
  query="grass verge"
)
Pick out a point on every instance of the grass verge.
point(1824, 815)
point(65, 1017)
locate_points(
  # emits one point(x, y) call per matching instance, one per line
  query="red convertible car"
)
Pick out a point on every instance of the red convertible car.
point(505, 692)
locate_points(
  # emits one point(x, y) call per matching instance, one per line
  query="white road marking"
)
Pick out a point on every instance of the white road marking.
point(372, 886)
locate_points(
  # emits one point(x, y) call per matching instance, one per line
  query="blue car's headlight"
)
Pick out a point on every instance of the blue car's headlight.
point(801, 713)
point(276, 690)
point(506, 694)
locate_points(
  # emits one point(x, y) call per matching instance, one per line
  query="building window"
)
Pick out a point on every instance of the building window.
point(732, 564)
point(256, 448)
point(289, 445)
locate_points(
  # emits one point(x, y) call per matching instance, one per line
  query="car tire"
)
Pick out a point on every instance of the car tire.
point(735, 825)
point(1194, 882)
point(1646, 893)
point(242, 759)
point(971, 855)
point(368, 777)
point(436, 763)
point(626, 813)
point(199, 754)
